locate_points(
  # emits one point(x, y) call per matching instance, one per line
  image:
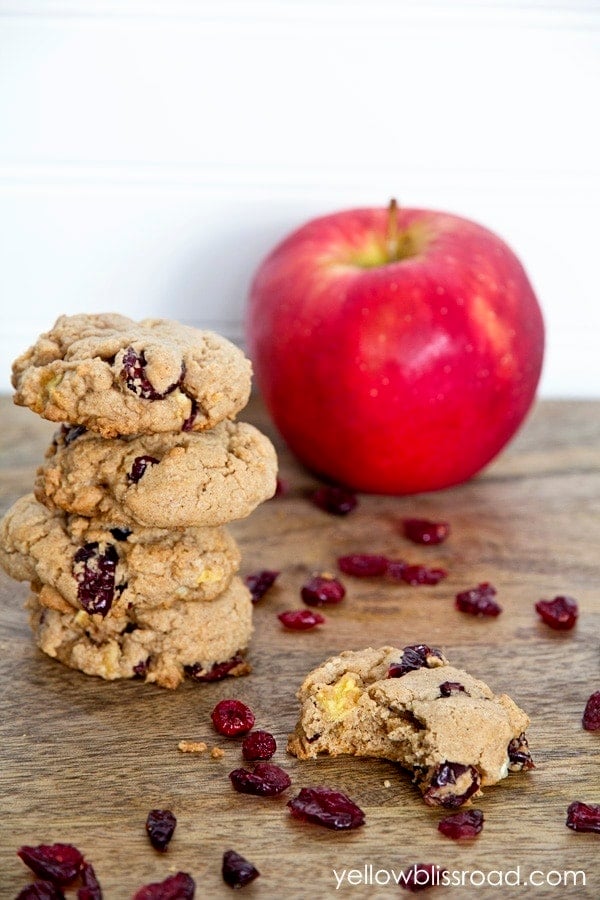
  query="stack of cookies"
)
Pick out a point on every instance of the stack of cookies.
point(131, 568)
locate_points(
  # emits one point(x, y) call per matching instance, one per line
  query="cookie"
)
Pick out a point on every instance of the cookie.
point(101, 569)
point(164, 481)
point(116, 376)
point(411, 706)
point(159, 645)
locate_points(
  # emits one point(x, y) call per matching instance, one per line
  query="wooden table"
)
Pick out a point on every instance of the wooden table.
point(84, 760)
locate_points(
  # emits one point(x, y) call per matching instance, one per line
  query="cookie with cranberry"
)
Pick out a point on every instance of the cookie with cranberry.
point(158, 645)
point(102, 568)
point(160, 480)
point(116, 376)
point(411, 706)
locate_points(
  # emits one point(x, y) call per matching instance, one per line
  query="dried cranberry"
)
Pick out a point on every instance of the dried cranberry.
point(258, 745)
point(120, 534)
point(421, 876)
point(231, 717)
point(478, 601)
point(451, 785)
point(363, 565)
point(160, 826)
point(237, 871)
point(216, 672)
point(416, 574)
point(323, 806)
point(70, 433)
point(60, 863)
point(141, 669)
point(176, 887)
point(258, 583)
point(133, 373)
point(188, 423)
point(591, 713)
point(335, 500)
point(583, 816)
point(41, 890)
point(300, 619)
point(466, 824)
point(90, 886)
point(94, 568)
point(448, 688)
point(266, 780)
point(560, 613)
point(322, 590)
point(415, 656)
point(519, 756)
point(138, 469)
point(422, 531)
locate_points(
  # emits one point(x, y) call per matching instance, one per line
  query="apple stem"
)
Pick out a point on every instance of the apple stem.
point(392, 235)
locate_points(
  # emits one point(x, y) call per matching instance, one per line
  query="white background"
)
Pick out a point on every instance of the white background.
point(152, 152)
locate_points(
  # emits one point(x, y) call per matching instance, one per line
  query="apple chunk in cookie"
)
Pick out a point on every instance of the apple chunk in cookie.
point(412, 707)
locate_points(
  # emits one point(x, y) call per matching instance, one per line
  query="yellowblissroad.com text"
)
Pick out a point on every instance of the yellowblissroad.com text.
point(517, 877)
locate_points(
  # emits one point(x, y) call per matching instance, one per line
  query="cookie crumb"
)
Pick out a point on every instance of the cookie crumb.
point(217, 753)
point(192, 746)
point(387, 783)
point(243, 668)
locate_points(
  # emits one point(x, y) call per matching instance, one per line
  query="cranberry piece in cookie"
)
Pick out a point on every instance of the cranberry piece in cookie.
point(518, 754)
point(451, 785)
point(448, 688)
point(138, 469)
point(94, 568)
point(234, 666)
point(416, 656)
point(133, 374)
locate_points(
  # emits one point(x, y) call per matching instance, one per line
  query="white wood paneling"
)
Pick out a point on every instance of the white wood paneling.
point(152, 152)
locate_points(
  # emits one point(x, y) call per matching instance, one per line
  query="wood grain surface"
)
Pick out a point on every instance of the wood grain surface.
point(83, 761)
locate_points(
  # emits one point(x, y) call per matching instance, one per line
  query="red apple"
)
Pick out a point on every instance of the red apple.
point(397, 350)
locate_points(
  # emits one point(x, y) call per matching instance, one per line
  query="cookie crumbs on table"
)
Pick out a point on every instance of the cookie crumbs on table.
point(192, 746)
